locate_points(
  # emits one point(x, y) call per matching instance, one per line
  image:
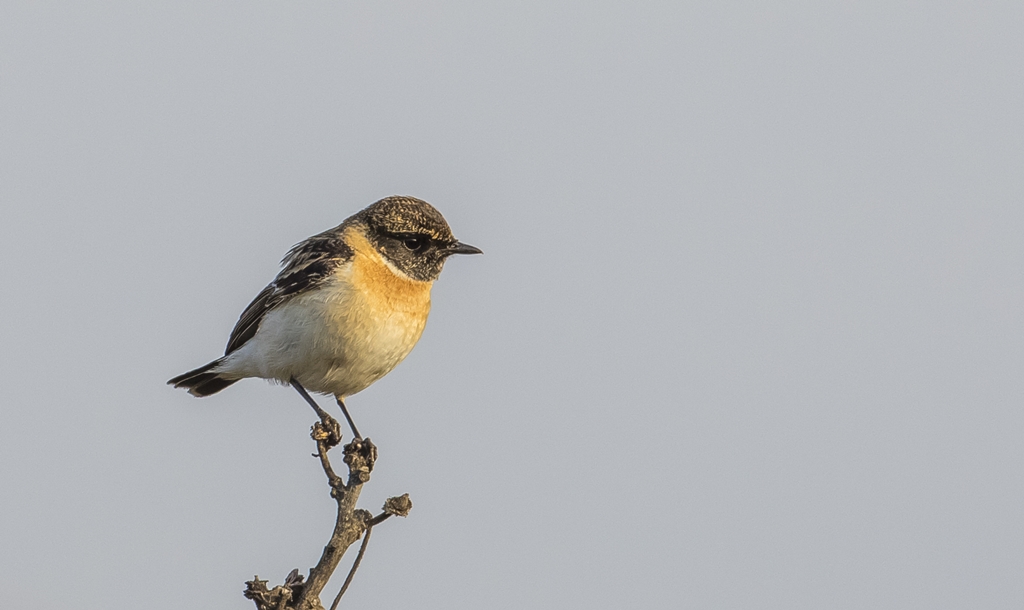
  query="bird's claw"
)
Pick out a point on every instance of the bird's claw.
point(327, 432)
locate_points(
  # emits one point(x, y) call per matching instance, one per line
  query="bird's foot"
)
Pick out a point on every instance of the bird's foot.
point(326, 432)
point(360, 455)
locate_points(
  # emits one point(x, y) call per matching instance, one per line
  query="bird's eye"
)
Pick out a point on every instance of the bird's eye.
point(415, 243)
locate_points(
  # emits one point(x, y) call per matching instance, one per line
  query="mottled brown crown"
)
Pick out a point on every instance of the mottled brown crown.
point(399, 215)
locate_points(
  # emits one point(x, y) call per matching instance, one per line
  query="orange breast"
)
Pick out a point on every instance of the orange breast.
point(385, 290)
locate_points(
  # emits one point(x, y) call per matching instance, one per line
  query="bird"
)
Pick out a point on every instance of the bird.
point(348, 305)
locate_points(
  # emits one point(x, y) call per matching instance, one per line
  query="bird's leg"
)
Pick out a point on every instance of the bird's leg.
point(329, 428)
point(302, 392)
point(351, 424)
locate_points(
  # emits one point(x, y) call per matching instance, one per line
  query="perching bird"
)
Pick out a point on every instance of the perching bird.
point(348, 305)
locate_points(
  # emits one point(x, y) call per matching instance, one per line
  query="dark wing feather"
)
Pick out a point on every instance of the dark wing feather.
point(305, 267)
point(249, 322)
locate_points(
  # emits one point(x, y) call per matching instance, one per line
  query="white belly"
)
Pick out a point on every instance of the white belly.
point(333, 340)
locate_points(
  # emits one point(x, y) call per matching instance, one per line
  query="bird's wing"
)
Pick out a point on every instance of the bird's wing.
point(305, 267)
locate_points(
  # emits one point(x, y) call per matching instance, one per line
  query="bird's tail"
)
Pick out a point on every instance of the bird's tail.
point(202, 381)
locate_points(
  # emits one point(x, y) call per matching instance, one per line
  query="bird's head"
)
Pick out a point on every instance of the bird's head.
point(411, 235)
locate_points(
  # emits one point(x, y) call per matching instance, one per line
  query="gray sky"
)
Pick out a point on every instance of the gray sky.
point(747, 333)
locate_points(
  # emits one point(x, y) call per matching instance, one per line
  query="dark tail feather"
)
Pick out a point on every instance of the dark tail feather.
point(201, 382)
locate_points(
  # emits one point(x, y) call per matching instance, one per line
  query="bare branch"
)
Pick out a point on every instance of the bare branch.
point(400, 506)
point(355, 566)
point(351, 524)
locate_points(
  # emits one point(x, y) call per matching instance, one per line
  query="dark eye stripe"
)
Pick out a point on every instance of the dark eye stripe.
point(416, 242)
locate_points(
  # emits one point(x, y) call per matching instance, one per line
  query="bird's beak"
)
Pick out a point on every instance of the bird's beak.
point(461, 248)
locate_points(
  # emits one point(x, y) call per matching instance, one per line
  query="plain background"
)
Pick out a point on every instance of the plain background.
point(747, 332)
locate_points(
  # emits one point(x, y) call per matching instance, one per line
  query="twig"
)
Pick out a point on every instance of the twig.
point(400, 505)
point(360, 456)
point(350, 525)
point(355, 566)
point(324, 434)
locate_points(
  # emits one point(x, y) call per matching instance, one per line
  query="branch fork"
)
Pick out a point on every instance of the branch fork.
point(298, 593)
